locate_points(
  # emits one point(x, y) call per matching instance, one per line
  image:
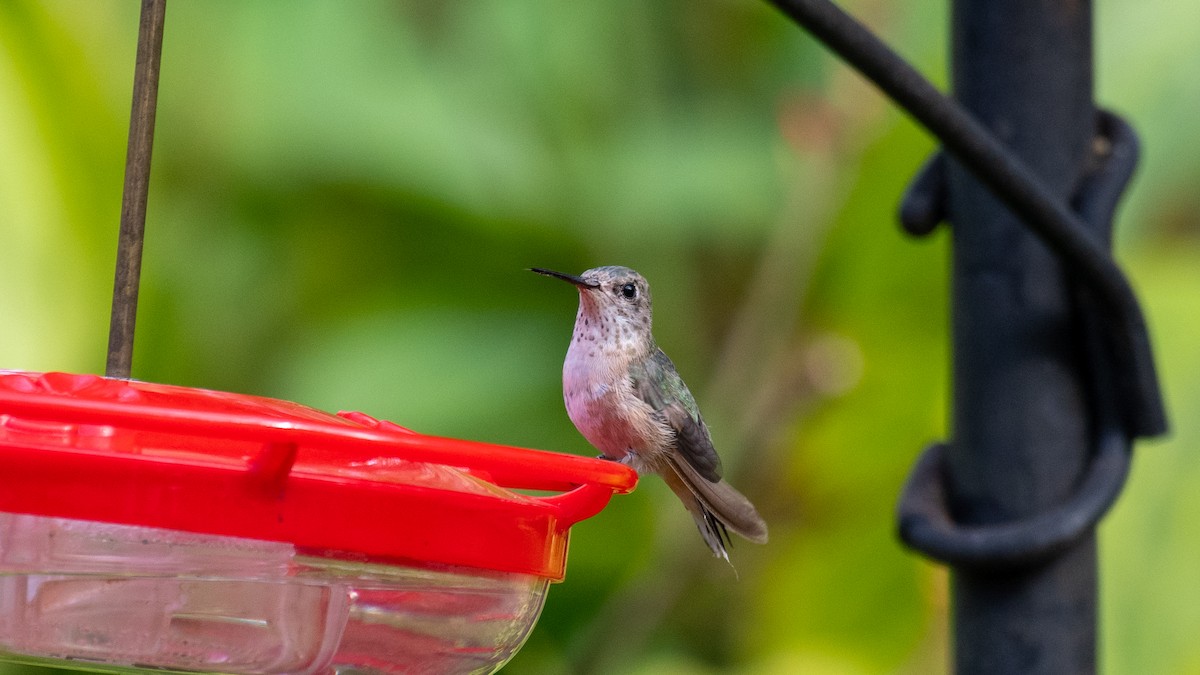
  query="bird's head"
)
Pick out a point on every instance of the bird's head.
point(616, 297)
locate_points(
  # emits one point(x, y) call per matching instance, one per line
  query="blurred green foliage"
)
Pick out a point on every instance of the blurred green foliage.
point(345, 195)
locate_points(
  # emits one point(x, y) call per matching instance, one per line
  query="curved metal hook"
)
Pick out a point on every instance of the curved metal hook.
point(925, 523)
point(923, 512)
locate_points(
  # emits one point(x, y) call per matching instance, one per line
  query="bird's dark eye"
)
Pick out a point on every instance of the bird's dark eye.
point(629, 291)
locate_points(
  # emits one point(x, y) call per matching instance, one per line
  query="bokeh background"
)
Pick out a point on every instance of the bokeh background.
point(345, 196)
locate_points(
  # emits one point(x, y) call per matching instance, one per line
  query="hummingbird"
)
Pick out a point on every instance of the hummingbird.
point(624, 395)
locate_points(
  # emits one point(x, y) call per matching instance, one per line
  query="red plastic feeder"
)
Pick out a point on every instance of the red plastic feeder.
point(146, 525)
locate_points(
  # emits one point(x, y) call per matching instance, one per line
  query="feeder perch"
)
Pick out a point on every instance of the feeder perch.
point(147, 526)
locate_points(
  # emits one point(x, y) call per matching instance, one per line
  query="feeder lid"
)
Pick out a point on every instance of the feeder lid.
point(137, 453)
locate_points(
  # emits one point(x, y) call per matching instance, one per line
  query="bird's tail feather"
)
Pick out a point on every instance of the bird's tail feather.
point(716, 507)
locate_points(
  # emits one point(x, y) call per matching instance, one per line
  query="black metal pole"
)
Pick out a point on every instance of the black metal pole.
point(1022, 422)
point(1053, 370)
point(137, 185)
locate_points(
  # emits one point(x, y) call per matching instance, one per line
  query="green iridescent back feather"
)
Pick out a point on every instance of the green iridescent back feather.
point(656, 382)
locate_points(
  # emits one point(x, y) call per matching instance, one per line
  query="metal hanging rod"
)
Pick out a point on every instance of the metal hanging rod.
point(137, 185)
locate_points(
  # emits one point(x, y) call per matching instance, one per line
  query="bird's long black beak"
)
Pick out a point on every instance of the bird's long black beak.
point(570, 278)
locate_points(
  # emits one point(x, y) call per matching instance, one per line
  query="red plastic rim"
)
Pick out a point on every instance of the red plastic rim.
point(137, 453)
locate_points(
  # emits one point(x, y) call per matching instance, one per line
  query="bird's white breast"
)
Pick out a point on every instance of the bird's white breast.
point(601, 403)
